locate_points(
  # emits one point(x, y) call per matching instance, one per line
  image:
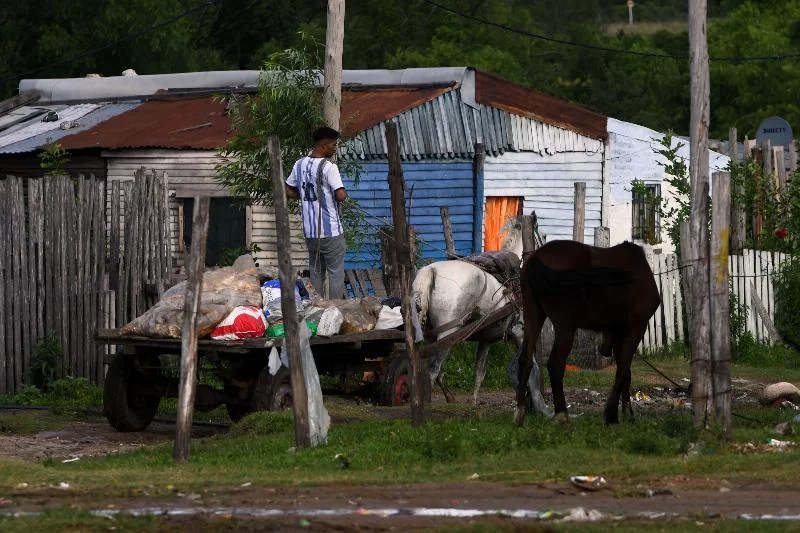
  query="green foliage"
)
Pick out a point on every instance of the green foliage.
point(780, 232)
point(740, 337)
point(46, 362)
point(53, 159)
point(62, 395)
point(459, 368)
point(644, 90)
point(230, 255)
point(289, 105)
point(787, 301)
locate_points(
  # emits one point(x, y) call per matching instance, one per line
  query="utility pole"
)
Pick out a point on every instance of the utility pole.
point(695, 250)
point(334, 44)
point(630, 11)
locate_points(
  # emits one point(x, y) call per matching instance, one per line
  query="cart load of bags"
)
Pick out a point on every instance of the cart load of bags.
point(244, 301)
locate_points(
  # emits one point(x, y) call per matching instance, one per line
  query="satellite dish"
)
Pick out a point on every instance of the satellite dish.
point(776, 130)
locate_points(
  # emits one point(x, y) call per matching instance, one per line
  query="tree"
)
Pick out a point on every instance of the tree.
point(289, 104)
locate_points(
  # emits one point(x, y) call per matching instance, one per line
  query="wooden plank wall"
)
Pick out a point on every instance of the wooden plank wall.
point(193, 172)
point(547, 184)
point(429, 185)
point(52, 268)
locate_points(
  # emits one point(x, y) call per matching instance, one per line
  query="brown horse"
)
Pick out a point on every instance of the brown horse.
point(611, 290)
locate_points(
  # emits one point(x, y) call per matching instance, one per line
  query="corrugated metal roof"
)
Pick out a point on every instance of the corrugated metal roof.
point(433, 122)
point(102, 113)
point(186, 123)
point(445, 127)
point(35, 126)
point(364, 108)
point(498, 93)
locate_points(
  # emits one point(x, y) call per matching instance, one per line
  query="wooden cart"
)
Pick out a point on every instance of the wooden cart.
point(146, 369)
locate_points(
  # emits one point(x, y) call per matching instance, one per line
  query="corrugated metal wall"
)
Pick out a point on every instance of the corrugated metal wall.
point(435, 183)
point(547, 184)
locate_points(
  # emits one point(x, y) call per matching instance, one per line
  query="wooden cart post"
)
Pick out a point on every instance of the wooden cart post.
point(194, 284)
point(404, 267)
point(302, 435)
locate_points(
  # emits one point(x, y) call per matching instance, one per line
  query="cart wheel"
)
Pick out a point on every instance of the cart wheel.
point(395, 383)
point(272, 393)
point(126, 402)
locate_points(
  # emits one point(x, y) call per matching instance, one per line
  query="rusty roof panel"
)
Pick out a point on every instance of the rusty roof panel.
point(496, 92)
point(433, 122)
point(365, 108)
point(185, 123)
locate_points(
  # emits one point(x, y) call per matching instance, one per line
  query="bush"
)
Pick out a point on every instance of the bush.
point(787, 302)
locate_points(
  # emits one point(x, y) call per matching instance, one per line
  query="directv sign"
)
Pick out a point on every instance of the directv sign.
point(777, 130)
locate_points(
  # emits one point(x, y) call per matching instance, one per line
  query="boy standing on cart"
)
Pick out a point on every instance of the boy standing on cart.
point(316, 182)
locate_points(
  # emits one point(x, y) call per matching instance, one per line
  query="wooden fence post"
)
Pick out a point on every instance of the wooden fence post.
point(389, 260)
point(477, 207)
point(737, 200)
point(528, 235)
point(695, 248)
point(5, 354)
point(291, 342)
point(580, 211)
point(780, 166)
point(194, 285)
point(792, 156)
point(448, 233)
point(720, 301)
point(401, 237)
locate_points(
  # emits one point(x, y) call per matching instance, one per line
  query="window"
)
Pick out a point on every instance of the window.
point(226, 228)
point(646, 223)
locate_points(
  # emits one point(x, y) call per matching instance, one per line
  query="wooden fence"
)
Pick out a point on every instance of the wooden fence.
point(51, 272)
point(139, 245)
point(752, 278)
point(64, 273)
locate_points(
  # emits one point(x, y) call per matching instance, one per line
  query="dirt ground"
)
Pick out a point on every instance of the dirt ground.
point(405, 506)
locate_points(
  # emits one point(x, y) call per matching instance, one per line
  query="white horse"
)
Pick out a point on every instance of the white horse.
point(447, 293)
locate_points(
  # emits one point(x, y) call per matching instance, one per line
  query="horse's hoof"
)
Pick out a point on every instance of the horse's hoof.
point(519, 416)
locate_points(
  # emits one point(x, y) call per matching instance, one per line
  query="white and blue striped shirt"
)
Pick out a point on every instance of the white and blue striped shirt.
point(321, 219)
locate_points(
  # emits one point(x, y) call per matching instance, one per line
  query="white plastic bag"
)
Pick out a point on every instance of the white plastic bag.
point(390, 318)
point(319, 421)
point(330, 322)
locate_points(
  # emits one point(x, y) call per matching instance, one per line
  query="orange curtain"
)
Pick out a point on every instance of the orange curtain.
point(497, 212)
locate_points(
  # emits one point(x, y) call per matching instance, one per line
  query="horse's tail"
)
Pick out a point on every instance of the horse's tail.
point(543, 279)
point(423, 286)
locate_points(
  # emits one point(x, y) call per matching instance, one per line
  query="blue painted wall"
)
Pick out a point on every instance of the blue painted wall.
point(435, 183)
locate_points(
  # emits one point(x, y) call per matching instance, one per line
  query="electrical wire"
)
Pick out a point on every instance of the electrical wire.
point(640, 53)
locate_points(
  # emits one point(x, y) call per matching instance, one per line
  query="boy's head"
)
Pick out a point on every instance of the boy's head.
point(325, 139)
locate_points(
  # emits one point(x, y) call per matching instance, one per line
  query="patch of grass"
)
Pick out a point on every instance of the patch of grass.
point(765, 356)
point(260, 450)
point(459, 368)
